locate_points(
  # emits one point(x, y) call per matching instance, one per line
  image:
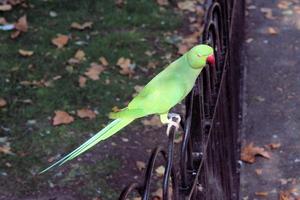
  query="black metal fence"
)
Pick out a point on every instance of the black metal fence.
point(208, 161)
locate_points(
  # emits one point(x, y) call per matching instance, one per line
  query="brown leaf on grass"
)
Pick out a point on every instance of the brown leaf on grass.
point(5, 149)
point(272, 30)
point(15, 2)
point(262, 194)
point(22, 24)
point(5, 7)
point(119, 3)
point(116, 109)
point(94, 71)
point(25, 53)
point(82, 81)
point(79, 55)
point(137, 89)
point(2, 102)
point(86, 113)
point(154, 121)
point(182, 48)
point(62, 117)
point(152, 64)
point(187, 6)
point(162, 2)
point(250, 151)
point(15, 34)
point(103, 61)
point(126, 66)
point(140, 165)
point(3, 21)
point(60, 41)
point(188, 42)
point(85, 25)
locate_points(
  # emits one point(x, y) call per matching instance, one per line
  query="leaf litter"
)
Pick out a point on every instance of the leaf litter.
point(249, 153)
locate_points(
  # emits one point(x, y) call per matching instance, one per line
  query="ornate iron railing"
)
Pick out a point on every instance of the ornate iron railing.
point(208, 161)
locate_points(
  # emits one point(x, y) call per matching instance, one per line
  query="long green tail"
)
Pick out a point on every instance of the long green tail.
point(105, 133)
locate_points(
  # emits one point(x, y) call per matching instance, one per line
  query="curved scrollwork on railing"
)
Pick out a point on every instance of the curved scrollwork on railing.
point(207, 167)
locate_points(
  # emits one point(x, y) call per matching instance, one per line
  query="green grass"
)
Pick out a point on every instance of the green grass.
point(128, 31)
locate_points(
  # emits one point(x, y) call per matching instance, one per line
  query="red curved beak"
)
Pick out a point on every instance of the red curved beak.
point(211, 60)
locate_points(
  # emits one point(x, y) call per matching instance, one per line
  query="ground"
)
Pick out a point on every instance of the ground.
point(272, 100)
point(34, 86)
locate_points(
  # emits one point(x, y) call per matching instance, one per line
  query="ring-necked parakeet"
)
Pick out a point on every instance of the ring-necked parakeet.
point(162, 93)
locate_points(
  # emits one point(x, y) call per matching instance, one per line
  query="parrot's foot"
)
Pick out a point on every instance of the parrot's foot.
point(173, 120)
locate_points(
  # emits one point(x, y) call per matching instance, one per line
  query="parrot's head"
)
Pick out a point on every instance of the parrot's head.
point(200, 55)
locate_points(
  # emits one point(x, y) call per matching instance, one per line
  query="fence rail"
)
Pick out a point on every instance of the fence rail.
point(207, 166)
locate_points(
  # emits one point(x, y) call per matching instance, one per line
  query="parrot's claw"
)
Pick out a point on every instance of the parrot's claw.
point(173, 120)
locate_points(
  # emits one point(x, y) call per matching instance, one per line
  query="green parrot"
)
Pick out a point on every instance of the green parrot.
point(162, 93)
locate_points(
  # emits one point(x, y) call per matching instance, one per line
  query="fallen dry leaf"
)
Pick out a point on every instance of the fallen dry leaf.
point(272, 31)
point(119, 3)
point(3, 21)
point(94, 71)
point(85, 25)
point(5, 7)
point(80, 55)
point(284, 195)
point(86, 113)
point(262, 194)
point(152, 65)
point(5, 149)
point(187, 6)
point(274, 145)
point(250, 151)
point(268, 13)
point(103, 61)
point(126, 66)
point(249, 40)
point(160, 171)
point(162, 2)
point(25, 53)
point(62, 117)
point(15, 2)
point(82, 81)
point(284, 5)
point(2, 102)
point(137, 88)
point(188, 42)
point(60, 41)
point(154, 121)
point(258, 171)
point(15, 34)
point(22, 24)
point(140, 165)
point(182, 48)
point(115, 109)
point(157, 194)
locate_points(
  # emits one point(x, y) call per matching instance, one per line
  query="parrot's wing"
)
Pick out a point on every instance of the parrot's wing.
point(160, 96)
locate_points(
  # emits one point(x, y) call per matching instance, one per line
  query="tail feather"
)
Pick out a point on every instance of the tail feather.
point(105, 133)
